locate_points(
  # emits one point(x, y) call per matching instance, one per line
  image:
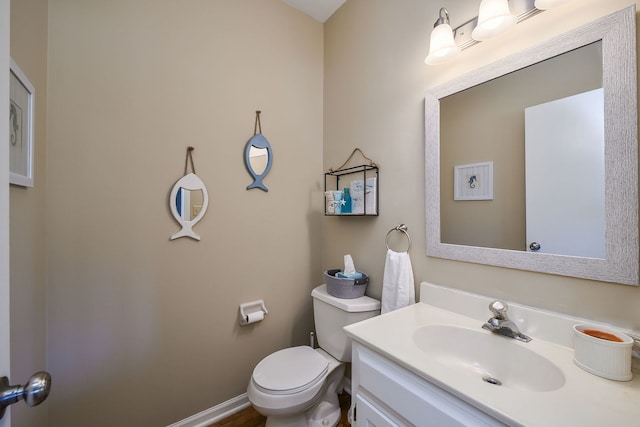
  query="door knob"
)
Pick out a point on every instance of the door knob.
point(535, 246)
point(34, 392)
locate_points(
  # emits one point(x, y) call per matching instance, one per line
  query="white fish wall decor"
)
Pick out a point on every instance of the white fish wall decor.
point(188, 201)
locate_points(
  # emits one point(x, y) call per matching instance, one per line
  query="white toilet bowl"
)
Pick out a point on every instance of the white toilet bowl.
point(297, 387)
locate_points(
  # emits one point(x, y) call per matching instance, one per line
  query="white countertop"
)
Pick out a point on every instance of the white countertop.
point(584, 400)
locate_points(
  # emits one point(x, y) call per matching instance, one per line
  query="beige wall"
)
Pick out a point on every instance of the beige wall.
point(143, 331)
point(375, 80)
point(27, 216)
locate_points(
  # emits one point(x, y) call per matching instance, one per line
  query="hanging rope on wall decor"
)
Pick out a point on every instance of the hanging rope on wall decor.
point(257, 126)
point(186, 161)
point(371, 162)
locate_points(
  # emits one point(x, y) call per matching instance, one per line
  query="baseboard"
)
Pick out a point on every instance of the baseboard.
point(215, 414)
point(228, 408)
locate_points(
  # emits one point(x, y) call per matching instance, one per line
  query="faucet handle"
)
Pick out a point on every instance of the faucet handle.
point(499, 309)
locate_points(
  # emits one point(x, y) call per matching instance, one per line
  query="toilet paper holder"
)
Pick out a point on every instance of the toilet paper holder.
point(251, 312)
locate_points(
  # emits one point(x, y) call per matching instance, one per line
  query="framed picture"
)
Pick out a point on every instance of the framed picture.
point(473, 181)
point(21, 106)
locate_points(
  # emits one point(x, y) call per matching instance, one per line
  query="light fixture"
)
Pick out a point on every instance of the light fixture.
point(548, 4)
point(442, 45)
point(494, 18)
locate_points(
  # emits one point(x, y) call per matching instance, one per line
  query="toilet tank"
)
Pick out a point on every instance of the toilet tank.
point(331, 314)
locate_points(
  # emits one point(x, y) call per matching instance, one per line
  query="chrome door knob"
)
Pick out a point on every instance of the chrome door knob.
point(535, 246)
point(34, 392)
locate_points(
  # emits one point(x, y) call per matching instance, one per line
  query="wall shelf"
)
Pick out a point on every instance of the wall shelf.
point(362, 182)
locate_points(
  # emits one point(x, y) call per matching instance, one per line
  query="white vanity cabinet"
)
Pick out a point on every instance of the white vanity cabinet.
point(385, 394)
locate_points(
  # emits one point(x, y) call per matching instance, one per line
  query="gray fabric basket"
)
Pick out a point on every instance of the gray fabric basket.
point(345, 288)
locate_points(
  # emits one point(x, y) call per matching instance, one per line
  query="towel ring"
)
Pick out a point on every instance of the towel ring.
point(403, 228)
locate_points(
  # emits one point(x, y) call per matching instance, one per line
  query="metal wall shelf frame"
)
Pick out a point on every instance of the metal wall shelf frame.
point(351, 178)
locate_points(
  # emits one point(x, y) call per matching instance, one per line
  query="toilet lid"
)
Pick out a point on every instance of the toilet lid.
point(290, 370)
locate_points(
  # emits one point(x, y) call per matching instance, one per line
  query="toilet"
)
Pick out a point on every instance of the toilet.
point(299, 386)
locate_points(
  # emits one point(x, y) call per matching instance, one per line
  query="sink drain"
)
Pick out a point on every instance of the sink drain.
point(491, 380)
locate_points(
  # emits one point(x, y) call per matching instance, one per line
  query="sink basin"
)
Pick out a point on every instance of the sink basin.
point(495, 359)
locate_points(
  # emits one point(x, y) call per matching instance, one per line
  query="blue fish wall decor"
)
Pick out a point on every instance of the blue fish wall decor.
point(258, 147)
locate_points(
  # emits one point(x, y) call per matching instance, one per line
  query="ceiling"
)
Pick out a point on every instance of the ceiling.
point(320, 10)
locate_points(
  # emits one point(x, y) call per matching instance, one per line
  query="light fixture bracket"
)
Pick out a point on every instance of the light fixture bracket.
point(522, 9)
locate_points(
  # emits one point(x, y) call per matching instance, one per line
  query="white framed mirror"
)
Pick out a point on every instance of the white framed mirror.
point(611, 41)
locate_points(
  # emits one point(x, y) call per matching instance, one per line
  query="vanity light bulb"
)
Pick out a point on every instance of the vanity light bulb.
point(442, 46)
point(494, 19)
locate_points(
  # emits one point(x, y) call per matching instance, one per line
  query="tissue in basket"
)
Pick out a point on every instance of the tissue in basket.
point(345, 288)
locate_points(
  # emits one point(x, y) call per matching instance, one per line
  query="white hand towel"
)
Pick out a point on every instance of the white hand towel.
point(397, 284)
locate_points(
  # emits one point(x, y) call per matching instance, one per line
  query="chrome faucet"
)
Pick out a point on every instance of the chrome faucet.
point(501, 324)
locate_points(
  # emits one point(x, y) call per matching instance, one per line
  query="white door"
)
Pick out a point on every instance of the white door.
point(564, 152)
point(4, 197)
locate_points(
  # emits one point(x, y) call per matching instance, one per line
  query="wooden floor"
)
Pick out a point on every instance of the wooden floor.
point(251, 418)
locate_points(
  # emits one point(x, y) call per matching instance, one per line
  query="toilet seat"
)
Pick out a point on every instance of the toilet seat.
point(290, 371)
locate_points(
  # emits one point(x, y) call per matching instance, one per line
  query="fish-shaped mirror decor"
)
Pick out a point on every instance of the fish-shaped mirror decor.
point(188, 201)
point(187, 209)
point(258, 156)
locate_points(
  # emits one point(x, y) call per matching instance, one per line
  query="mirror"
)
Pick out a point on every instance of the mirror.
point(459, 132)
point(258, 159)
point(188, 203)
point(487, 123)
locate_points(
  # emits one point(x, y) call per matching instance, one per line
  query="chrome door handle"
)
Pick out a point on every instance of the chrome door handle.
point(34, 392)
point(535, 246)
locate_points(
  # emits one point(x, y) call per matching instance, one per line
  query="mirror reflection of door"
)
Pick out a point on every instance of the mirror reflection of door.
point(189, 203)
point(564, 145)
point(258, 158)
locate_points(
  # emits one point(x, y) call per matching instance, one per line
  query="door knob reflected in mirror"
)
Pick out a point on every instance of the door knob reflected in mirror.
point(34, 392)
point(535, 246)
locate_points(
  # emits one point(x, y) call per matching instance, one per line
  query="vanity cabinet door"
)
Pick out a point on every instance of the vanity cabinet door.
point(370, 416)
point(389, 390)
